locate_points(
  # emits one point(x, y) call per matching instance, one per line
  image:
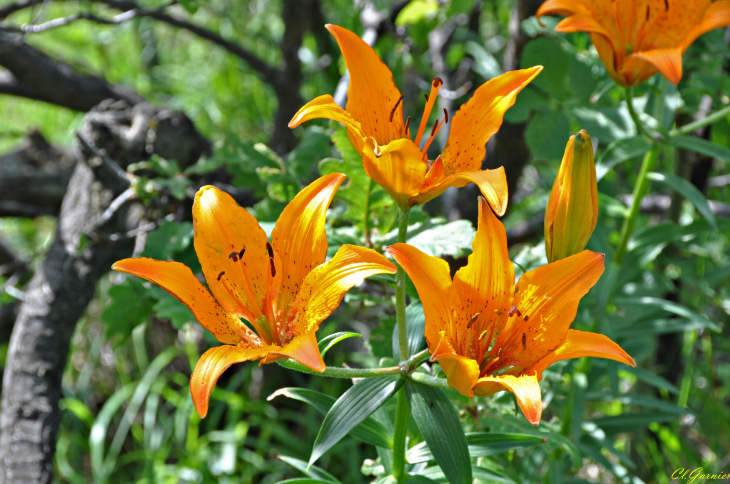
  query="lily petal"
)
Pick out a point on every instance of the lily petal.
point(477, 120)
point(485, 284)
point(211, 366)
point(299, 236)
point(547, 300)
point(716, 16)
point(231, 247)
point(399, 168)
point(432, 279)
point(667, 61)
point(524, 387)
point(492, 184)
point(326, 285)
point(461, 372)
point(178, 280)
point(562, 7)
point(582, 343)
point(372, 94)
point(325, 107)
point(302, 348)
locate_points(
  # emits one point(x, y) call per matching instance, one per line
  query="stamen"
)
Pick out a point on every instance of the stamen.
point(408, 124)
point(430, 101)
point(426, 96)
point(392, 111)
point(233, 256)
point(446, 116)
point(514, 311)
point(240, 254)
point(524, 341)
point(271, 259)
point(434, 132)
point(221, 275)
point(472, 321)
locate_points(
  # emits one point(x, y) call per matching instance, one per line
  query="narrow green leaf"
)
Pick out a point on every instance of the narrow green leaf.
point(480, 444)
point(302, 480)
point(631, 422)
point(369, 430)
point(435, 473)
point(415, 326)
point(620, 151)
point(670, 307)
point(329, 341)
point(688, 191)
point(652, 379)
point(702, 146)
point(440, 427)
point(417, 479)
point(354, 406)
point(310, 471)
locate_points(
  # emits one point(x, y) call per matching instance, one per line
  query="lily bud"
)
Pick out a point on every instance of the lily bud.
point(572, 210)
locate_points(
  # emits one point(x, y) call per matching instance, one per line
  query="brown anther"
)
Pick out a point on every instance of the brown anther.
point(472, 321)
point(240, 254)
point(436, 82)
point(392, 112)
point(426, 96)
point(446, 114)
point(433, 130)
point(499, 354)
point(221, 275)
point(514, 311)
point(271, 259)
point(408, 123)
point(273, 267)
point(526, 317)
point(498, 312)
point(233, 256)
point(524, 341)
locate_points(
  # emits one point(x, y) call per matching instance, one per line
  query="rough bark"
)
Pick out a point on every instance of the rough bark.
point(33, 178)
point(82, 252)
point(37, 76)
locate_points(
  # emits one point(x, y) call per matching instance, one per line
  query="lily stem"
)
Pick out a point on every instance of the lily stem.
point(629, 96)
point(336, 372)
point(701, 123)
point(402, 413)
point(366, 214)
point(642, 184)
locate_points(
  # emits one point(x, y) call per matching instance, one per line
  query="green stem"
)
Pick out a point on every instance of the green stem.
point(629, 95)
point(642, 184)
point(366, 214)
point(431, 381)
point(336, 372)
point(400, 290)
point(700, 123)
point(402, 413)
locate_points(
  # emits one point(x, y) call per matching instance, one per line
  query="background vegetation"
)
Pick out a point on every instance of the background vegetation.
point(126, 411)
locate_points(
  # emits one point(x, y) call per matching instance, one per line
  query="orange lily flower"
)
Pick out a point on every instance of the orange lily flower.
point(490, 335)
point(284, 289)
point(374, 121)
point(635, 39)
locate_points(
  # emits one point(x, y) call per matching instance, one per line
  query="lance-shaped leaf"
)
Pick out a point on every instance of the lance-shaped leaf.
point(480, 444)
point(369, 430)
point(688, 191)
point(702, 146)
point(312, 472)
point(440, 427)
point(354, 406)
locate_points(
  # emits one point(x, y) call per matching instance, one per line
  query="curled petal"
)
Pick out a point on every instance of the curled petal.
point(562, 7)
point(461, 372)
point(325, 107)
point(326, 285)
point(667, 61)
point(372, 94)
point(492, 184)
point(524, 387)
point(211, 366)
point(716, 16)
point(178, 280)
point(399, 168)
point(299, 237)
point(477, 120)
point(302, 348)
point(582, 343)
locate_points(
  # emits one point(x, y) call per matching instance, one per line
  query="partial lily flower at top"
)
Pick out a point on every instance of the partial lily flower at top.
point(635, 39)
point(375, 125)
point(282, 288)
point(490, 334)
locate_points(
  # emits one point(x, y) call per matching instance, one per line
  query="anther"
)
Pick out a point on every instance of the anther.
point(472, 321)
point(498, 312)
point(437, 81)
point(433, 130)
point(233, 256)
point(271, 259)
point(499, 354)
point(221, 275)
point(426, 96)
point(408, 123)
point(240, 254)
point(270, 250)
point(514, 311)
point(446, 114)
point(392, 112)
point(526, 317)
point(524, 341)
